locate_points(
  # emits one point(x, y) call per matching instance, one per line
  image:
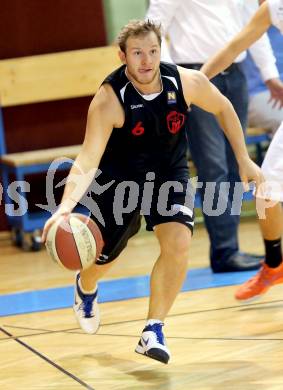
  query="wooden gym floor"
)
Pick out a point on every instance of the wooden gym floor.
point(216, 343)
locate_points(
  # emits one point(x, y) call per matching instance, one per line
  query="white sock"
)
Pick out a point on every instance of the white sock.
point(152, 321)
point(84, 291)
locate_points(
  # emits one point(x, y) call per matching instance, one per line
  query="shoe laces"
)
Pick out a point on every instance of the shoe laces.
point(86, 306)
point(157, 328)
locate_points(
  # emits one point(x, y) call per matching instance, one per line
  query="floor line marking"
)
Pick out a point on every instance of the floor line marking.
point(111, 290)
point(195, 338)
point(46, 359)
point(77, 330)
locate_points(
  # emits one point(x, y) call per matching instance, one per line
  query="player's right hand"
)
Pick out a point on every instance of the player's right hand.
point(60, 213)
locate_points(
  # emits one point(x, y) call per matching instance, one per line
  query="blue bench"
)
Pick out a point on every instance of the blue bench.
point(258, 137)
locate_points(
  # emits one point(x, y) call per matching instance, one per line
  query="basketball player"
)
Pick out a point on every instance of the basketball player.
point(271, 273)
point(136, 132)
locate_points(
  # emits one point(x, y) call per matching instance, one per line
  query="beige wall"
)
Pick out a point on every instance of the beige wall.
point(119, 12)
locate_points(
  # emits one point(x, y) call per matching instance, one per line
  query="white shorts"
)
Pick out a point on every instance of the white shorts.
point(272, 168)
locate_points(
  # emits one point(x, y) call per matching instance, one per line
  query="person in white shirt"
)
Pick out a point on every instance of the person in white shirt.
point(261, 111)
point(271, 273)
point(196, 30)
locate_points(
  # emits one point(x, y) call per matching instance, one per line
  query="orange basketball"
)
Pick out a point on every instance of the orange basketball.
point(74, 242)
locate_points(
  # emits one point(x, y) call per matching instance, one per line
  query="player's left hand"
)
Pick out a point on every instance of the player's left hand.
point(275, 87)
point(249, 171)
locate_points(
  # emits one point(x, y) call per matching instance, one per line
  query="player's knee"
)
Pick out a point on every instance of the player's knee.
point(177, 246)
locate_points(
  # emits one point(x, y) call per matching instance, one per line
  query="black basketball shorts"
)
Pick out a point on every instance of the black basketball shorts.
point(119, 210)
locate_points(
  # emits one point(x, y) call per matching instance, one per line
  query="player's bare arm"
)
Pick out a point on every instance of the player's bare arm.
point(105, 113)
point(199, 91)
point(257, 26)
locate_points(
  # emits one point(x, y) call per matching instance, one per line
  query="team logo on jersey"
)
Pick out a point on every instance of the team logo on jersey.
point(171, 97)
point(138, 129)
point(175, 121)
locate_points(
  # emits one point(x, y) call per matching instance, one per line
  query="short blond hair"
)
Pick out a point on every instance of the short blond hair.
point(136, 28)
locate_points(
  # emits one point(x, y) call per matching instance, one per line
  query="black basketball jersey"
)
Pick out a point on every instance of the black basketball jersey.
point(153, 137)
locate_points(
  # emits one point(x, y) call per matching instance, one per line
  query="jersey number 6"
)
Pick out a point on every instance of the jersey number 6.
point(138, 129)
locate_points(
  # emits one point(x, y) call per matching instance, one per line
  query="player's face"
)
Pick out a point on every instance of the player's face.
point(142, 58)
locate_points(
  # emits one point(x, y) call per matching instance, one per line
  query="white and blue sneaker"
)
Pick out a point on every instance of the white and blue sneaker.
point(86, 309)
point(152, 343)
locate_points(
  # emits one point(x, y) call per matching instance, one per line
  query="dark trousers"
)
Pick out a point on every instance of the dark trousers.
point(215, 161)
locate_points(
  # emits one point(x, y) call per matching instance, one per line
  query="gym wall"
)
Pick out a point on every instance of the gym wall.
point(37, 27)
